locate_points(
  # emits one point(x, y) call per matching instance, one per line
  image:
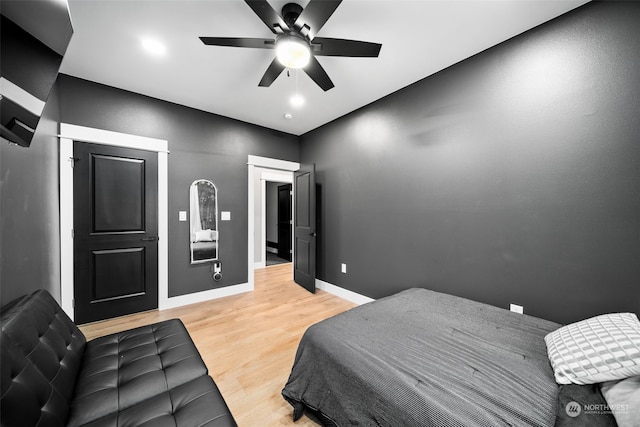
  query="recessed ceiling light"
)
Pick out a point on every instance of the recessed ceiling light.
point(288, 116)
point(297, 100)
point(154, 46)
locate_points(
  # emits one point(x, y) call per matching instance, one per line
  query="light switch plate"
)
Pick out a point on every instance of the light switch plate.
point(182, 215)
point(225, 216)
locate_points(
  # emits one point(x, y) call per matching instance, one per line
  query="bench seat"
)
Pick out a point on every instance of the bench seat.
point(151, 375)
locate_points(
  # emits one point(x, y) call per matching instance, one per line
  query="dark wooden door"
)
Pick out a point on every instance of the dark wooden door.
point(115, 193)
point(284, 221)
point(304, 257)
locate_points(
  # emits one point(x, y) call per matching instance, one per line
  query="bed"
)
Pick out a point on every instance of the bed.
point(423, 358)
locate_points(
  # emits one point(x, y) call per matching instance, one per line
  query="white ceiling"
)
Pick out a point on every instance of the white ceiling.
point(418, 37)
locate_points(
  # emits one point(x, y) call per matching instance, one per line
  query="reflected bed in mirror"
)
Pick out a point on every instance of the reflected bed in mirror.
point(203, 206)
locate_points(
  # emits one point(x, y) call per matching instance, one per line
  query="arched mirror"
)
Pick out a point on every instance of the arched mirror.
point(203, 206)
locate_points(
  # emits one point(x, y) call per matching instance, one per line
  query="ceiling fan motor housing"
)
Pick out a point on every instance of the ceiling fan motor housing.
point(290, 13)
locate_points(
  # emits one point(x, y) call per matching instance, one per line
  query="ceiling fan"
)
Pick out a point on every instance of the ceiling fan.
point(295, 42)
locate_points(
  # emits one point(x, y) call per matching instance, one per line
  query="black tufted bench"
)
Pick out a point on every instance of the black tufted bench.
point(51, 376)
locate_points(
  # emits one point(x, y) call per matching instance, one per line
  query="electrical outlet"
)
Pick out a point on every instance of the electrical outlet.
point(343, 268)
point(516, 308)
point(182, 215)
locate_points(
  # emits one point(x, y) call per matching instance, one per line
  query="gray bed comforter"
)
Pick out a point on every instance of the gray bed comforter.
point(423, 358)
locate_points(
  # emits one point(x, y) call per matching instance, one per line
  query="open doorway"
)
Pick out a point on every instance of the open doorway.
point(278, 223)
point(261, 171)
point(266, 185)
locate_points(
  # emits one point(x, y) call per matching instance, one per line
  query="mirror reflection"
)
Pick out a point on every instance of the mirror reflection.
point(203, 206)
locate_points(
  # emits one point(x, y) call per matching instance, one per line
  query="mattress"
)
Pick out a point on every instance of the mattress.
point(423, 358)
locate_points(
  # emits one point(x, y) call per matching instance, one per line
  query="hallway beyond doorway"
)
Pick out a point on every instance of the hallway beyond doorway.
point(274, 259)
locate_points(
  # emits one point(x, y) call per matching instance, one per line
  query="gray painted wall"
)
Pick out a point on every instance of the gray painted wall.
point(201, 145)
point(29, 205)
point(511, 177)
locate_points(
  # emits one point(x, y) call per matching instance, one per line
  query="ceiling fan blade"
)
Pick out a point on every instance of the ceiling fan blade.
point(268, 15)
point(318, 74)
point(323, 46)
point(272, 73)
point(315, 15)
point(239, 42)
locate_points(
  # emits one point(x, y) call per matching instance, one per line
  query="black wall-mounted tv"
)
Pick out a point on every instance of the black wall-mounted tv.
point(34, 36)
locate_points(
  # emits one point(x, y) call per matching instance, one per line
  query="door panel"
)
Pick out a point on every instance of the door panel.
point(118, 272)
point(304, 257)
point(115, 231)
point(118, 194)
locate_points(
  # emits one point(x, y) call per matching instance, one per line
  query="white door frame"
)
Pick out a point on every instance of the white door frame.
point(70, 133)
point(254, 162)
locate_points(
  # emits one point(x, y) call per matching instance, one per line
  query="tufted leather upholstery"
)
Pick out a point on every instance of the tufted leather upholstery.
point(122, 370)
point(36, 328)
point(196, 403)
point(52, 377)
point(28, 399)
point(48, 338)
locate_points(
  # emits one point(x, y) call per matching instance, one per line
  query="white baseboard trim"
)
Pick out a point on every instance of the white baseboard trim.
point(343, 293)
point(173, 302)
point(261, 264)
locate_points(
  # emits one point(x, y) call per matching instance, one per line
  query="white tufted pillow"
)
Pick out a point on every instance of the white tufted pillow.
point(602, 348)
point(206, 236)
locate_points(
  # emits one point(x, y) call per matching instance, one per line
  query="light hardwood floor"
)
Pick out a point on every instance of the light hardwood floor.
point(248, 341)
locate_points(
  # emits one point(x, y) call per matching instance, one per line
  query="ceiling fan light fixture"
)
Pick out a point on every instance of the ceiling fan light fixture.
point(293, 52)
